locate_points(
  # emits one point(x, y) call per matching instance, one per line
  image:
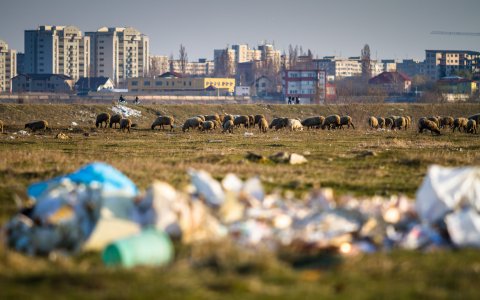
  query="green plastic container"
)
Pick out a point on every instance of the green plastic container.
point(148, 248)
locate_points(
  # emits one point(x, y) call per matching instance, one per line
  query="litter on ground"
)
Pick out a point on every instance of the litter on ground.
point(99, 208)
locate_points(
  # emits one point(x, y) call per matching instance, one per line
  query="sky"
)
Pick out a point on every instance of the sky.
point(394, 29)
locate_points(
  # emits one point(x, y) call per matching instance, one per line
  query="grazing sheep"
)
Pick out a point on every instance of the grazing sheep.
point(214, 117)
point(227, 117)
point(228, 126)
point(207, 125)
point(278, 123)
point(216, 124)
point(346, 120)
point(1, 126)
point(257, 118)
point(102, 118)
point(373, 122)
point(408, 119)
point(251, 120)
point(274, 123)
point(476, 118)
point(163, 121)
point(115, 119)
point(434, 119)
point(263, 125)
point(201, 117)
point(314, 122)
point(37, 125)
point(426, 124)
point(400, 123)
point(294, 125)
point(245, 120)
point(446, 121)
point(125, 124)
point(194, 122)
point(331, 122)
point(471, 127)
point(381, 122)
point(388, 122)
point(222, 118)
point(460, 123)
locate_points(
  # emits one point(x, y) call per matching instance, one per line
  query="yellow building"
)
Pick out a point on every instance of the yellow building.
point(171, 82)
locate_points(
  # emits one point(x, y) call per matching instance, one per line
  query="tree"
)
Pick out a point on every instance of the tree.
point(171, 62)
point(292, 56)
point(183, 59)
point(366, 62)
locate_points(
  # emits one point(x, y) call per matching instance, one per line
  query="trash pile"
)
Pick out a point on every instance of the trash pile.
point(126, 111)
point(99, 208)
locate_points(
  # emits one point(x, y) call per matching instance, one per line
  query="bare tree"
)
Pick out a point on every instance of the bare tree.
point(292, 56)
point(171, 62)
point(183, 59)
point(366, 62)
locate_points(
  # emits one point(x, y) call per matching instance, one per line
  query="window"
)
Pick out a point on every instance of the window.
point(158, 83)
point(146, 83)
point(134, 83)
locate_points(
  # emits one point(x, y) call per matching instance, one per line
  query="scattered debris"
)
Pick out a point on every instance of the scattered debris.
point(62, 136)
point(126, 111)
point(280, 157)
point(255, 157)
point(297, 159)
point(97, 207)
point(22, 132)
point(452, 195)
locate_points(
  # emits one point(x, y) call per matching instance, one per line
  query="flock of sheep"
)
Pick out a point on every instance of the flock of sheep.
point(227, 123)
point(433, 123)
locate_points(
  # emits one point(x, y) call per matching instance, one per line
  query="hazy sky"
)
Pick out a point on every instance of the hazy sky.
point(392, 28)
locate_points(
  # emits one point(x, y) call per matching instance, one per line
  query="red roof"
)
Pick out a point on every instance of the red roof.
point(389, 77)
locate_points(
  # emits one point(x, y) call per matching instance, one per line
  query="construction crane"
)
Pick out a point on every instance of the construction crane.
point(456, 33)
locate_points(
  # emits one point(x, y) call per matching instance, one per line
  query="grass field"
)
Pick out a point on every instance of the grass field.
point(359, 162)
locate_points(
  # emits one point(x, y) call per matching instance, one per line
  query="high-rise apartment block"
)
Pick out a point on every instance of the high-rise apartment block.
point(119, 53)
point(443, 63)
point(57, 50)
point(224, 60)
point(8, 66)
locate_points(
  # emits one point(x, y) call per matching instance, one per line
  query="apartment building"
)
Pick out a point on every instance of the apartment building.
point(8, 66)
point(340, 67)
point(57, 50)
point(202, 67)
point(224, 60)
point(306, 86)
point(159, 64)
point(173, 82)
point(443, 63)
point(119, 53)
point(411, 67)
